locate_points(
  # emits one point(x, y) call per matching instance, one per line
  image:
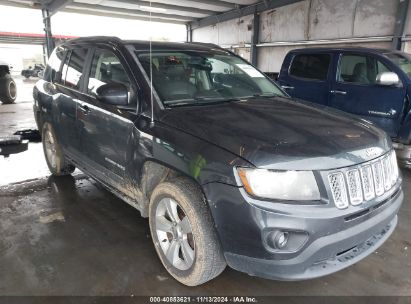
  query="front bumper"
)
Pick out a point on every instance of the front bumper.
point(336, 238)
point(309, 264)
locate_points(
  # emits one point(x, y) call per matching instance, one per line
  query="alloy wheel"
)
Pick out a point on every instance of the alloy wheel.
point(12, 89)
point(50, 147)
point(174, 233)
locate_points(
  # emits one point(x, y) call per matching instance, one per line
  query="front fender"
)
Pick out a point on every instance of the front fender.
point(195, 158)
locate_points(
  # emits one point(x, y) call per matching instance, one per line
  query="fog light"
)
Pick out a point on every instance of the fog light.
point(280, 239)
point(284, 241)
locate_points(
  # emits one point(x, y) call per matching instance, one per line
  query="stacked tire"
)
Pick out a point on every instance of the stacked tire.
point(8, 89)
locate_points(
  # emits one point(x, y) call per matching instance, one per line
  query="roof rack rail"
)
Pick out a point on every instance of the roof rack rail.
point(206, 44)
point(95, 39)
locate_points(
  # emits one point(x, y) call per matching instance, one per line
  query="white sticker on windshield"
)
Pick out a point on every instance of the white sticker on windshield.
point(250, 70)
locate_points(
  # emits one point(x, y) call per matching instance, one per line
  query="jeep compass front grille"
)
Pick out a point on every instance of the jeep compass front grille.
point(364, 182)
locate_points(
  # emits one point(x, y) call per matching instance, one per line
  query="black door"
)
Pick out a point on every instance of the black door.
point(106, 130)
point(68, 94)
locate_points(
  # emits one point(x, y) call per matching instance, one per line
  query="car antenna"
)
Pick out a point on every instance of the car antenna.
point(151, 74)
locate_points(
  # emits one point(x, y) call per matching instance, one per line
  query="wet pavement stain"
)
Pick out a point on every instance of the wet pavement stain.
point(58, 216)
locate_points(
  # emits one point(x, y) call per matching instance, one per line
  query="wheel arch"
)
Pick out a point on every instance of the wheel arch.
point(153, 172)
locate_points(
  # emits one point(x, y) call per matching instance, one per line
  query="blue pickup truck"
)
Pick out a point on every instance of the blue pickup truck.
point(373, 84)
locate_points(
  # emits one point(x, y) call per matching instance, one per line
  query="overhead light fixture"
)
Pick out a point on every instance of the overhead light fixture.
point(152, 9)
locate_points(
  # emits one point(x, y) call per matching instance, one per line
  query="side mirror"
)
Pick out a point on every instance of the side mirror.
point(387, 79)
point(113, 93)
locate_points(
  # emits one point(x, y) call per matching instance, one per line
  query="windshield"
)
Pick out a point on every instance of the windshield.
point(403, 60)
point(189, 78)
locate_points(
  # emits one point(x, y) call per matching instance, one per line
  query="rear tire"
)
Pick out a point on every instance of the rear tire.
point(53, 153)
point(8, 90)
point(189, 249)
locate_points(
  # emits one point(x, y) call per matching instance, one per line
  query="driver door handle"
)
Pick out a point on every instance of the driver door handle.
point(337, 92)
point(287, 87)
point(85, 109)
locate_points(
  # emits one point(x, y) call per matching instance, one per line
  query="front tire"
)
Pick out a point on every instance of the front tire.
point(8, 90)
point(183, 233)
point(53, 153)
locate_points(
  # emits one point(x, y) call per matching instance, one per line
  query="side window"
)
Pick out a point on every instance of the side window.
point(52, 72)
point(74, 70)
point(381, 68)
point(65, 67)
point(106, 68)
point(360, 69)
point(310, 66)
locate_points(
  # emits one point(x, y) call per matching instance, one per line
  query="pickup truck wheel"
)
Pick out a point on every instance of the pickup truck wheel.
point(8, 90)
point(55, 159)
point(183, 233)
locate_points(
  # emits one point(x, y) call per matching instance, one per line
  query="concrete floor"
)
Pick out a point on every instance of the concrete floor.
point(68, 236)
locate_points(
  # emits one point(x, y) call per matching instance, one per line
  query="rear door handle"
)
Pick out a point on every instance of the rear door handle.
point(287, 87)
point(85, 109)
point(338, 92)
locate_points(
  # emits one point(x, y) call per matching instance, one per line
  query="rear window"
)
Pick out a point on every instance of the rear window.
point(53, 72)
point(310, 66)
point(74, 70)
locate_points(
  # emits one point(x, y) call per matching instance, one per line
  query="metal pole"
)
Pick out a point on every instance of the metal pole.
point(400, 21)
point(45, 58)
point(189, 33)
point(47, 31)
point(255, 39)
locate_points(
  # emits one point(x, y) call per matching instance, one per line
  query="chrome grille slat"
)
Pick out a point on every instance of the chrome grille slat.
point(393, 170)
point(367, 182)
point(387, 173)
point(395, 166)
point(354, 187)
point(378, 177)
point(364, 182)
point(338, 189)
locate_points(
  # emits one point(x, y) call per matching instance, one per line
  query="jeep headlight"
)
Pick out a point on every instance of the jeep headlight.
point(281, 185)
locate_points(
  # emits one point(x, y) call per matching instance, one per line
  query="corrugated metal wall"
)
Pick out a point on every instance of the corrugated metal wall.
point(305, 24)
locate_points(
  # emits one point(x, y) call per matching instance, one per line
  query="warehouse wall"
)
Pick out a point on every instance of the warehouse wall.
point(304, 23)
point(233, 32)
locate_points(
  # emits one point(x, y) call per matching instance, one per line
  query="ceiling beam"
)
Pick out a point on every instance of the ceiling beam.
point(165, 6)
point(130, 12)
point(210, 4)
point(223, 4)
point(56, 5)
point(120, 15)
point(240, 12)
point(18, 4)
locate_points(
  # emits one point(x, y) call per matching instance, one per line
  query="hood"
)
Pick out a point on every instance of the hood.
point(280, 133)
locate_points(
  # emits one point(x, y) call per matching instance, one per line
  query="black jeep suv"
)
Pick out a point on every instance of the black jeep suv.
point(227, 167)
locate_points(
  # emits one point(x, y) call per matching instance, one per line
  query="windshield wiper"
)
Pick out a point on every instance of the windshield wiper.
point(200, 101)
point(267, 95)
